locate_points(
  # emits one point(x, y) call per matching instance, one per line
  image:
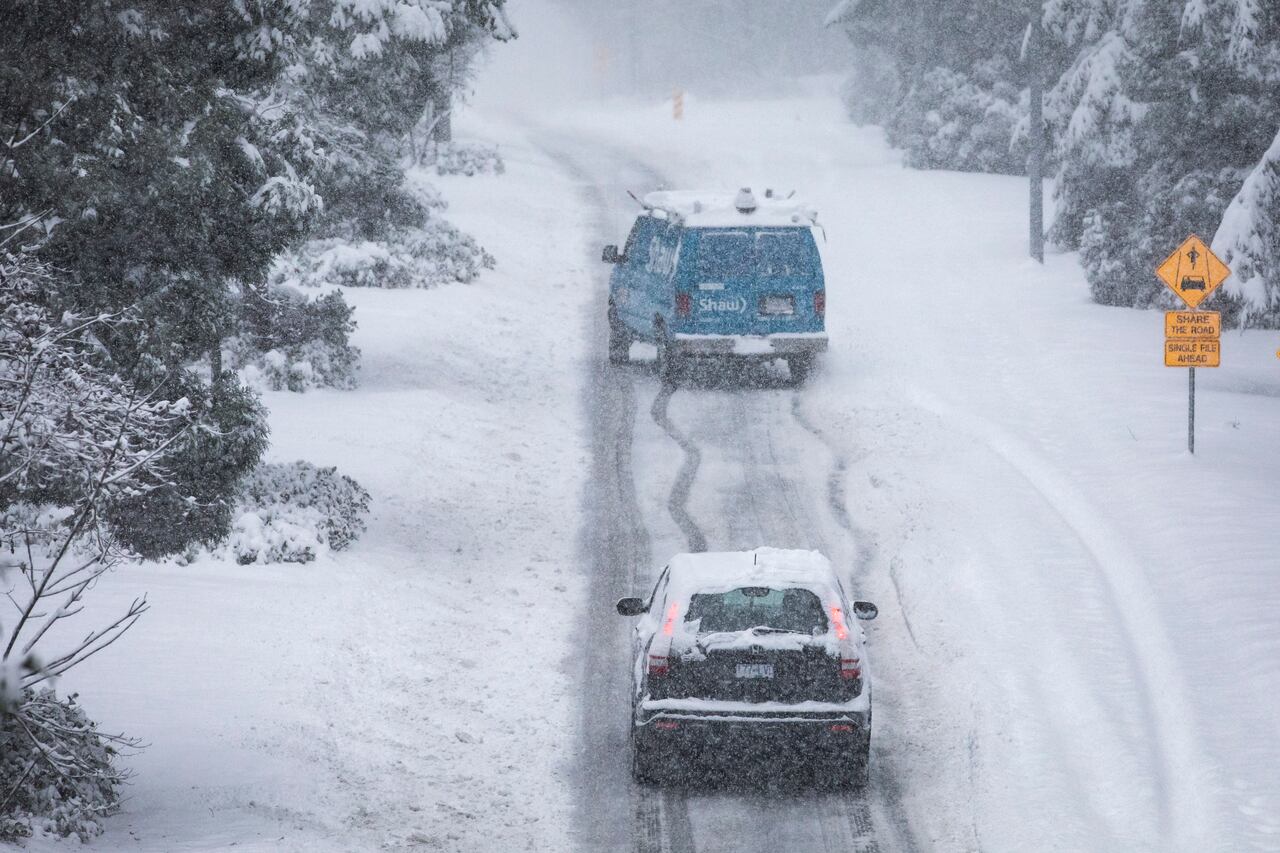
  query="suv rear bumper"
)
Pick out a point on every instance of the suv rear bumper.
point(836, 727)
point(751, 346)
point(730, 738)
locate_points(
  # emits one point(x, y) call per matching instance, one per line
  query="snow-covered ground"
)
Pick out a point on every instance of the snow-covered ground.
point(409, 692)
point(1077, 649)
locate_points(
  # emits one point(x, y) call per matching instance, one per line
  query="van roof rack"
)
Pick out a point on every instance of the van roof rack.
point(712, 209)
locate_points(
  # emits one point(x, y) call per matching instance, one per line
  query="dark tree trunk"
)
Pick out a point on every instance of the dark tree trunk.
point(442, 107)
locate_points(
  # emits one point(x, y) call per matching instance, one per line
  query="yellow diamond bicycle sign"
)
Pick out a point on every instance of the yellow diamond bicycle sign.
point(1193, 272)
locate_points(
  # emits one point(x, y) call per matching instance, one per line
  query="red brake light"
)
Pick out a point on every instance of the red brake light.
point(684, 304)
point(669, 626)
point(837, 620)
point(842, 727)
point(668, 724)
point(658, 665)
point(820, 303)
point(850, 668)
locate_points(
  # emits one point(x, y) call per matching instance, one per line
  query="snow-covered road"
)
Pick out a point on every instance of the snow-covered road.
point(644, 468)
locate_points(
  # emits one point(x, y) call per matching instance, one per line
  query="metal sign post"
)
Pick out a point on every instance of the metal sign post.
point(1191, 338)
point(1191, 410)
point(1035, 131)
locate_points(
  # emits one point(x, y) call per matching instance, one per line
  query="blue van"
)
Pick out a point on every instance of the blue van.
point(719, 274)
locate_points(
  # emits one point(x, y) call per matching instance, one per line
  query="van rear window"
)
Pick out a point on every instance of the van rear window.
point(726, 255)
point(772, 254)
point(781, 255)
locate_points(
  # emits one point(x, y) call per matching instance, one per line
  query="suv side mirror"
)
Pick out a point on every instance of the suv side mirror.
point(631, 606)
point(610, 255)
point(865, 610)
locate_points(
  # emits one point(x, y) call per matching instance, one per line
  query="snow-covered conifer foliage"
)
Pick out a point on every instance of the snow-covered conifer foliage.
point(1248, 239)
point(156, 159)
point(366, 86)
point(1161, 116)
point(78, 442)
point(942, 78)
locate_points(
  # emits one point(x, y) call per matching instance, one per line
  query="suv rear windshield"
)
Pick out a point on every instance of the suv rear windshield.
point(794, 609)
point(772, 254)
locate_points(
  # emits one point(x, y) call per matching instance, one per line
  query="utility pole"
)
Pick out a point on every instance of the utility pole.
point(1035, 131)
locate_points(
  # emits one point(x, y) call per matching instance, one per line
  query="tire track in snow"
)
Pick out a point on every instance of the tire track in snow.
point(615, 543)
point(884, 780)
point(678, 502)
point(773, 506)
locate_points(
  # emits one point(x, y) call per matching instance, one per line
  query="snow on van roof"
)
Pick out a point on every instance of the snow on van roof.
point(709, 209)
point(720, 571)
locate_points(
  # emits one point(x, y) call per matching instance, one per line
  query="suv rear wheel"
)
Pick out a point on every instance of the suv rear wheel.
point(852, 768)
point(646, 766)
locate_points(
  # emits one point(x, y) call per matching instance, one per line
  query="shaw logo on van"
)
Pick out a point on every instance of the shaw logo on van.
point(737, 304)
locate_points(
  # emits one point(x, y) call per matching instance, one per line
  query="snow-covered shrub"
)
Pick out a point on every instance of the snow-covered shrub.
point(433, 254)
point(57, 771)
point(463, 158)
point(290, 513)
point(294, 343)
point(949, 120)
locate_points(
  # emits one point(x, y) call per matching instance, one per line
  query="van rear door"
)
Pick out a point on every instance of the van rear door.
point(752, 281)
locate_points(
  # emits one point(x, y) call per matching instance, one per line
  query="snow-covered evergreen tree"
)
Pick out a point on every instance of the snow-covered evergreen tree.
point(135, 156)
point(1248, 239)
point(943, 78)
point(1166, 108)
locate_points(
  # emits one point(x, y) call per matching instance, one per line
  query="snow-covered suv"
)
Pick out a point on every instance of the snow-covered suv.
point(738, 650)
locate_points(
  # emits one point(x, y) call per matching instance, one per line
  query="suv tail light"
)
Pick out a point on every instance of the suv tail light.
point(659, 665)
point(837, 622)
point(850, 668)
point(820, 303)
point(684, 304)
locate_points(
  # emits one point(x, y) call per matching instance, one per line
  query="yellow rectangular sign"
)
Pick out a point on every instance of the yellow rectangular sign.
point(1192, 324)
point(1181, 352)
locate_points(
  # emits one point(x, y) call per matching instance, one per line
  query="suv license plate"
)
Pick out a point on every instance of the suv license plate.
point(755, 670)
point(778, 305)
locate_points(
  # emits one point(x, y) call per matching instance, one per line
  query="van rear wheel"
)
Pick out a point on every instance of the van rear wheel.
point(619, 338)
point(668, 361)
point(800, 367)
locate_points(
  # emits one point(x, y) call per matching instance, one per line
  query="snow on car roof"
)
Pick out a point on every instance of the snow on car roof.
point(708, 209)
point(720, 571)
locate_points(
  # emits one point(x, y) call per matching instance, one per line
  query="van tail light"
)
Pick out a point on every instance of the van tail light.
point(850, 668)
point(820, 303)
point(844, 728)
point(684, 304)
point(669, 725)
point(659, 665)
point(669, 626)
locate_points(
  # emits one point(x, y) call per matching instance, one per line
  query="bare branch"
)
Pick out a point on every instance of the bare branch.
point(13, 146)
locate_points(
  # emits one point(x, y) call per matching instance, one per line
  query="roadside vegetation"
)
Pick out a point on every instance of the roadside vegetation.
point(1162, 118)
point(162, 167)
